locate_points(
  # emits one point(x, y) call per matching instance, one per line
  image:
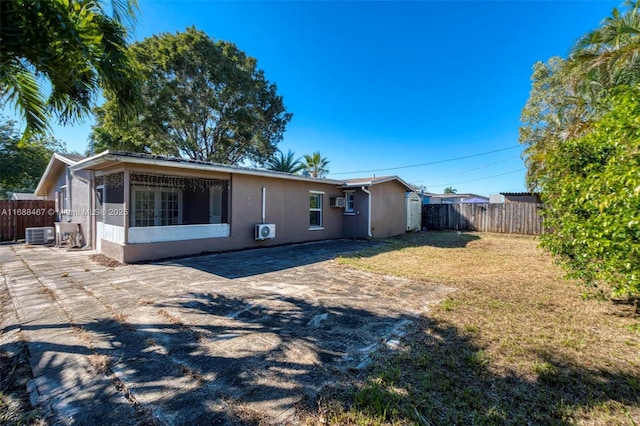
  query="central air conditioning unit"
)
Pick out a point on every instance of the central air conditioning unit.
point(337, 202)
point(42, 235)
point(265, 231)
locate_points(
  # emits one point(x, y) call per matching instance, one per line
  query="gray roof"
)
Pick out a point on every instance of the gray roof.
point(184, 163)
point(142, 158)
point(72, 157)
point(456, 196)
point(25, 196)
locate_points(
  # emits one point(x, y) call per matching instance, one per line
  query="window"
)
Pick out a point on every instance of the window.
point(156, 207)
point(350, 204)
point(315, 210)
point(169, 208)
point(215, 205)
point(64, 200)
point(100, 202)
point(144, 208)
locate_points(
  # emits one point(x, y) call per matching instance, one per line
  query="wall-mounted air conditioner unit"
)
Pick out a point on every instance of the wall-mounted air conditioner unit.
point(337, 202)
point(42, 235)
point(265, 231)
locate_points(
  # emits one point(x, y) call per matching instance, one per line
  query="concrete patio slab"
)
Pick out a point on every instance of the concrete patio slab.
point(215, 339)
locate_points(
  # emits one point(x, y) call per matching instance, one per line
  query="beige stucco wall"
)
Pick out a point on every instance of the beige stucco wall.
point(388, 214)
point(113, 250)
point(79, 190)
point(287, 206)
point(356, 224)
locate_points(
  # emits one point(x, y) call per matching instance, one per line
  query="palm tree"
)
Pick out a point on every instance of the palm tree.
point(282, 162)
point(568, 95)
point(71, 46)
point(609, 55)
point(315, 165)
point(450, 190)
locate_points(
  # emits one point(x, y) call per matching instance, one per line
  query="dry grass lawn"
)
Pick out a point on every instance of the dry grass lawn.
point(515, 344)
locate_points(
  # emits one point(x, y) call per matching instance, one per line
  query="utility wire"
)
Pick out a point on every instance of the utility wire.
point(429, 163)
point(468, 170)
point(474, 180)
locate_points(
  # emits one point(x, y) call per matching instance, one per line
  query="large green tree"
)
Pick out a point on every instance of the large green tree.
point(591, 187)
point(580, 128)
point(22, 164)
point(568, 95)
point(202, 99)
point(56, 56)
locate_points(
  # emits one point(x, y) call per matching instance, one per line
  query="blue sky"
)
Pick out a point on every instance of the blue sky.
point(386, 85)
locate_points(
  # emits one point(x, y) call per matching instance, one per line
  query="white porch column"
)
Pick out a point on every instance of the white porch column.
point(126, 204)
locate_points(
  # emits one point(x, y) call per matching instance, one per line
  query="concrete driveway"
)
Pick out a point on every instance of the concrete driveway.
point(233, 338)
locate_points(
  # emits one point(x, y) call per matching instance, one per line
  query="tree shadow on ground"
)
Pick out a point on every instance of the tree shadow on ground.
point(215, 360)
point(247, 263)
point(441, 377)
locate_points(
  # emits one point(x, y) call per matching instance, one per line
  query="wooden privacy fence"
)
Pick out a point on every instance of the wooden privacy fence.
point(516, 218)
point(16, 216)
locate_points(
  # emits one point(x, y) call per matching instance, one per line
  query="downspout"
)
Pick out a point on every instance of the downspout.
point(366, 191)
point(264, 205)
point(69, 200)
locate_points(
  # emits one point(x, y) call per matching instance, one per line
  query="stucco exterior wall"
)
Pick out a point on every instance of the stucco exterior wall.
point(287, 206)
point(388, 209)
point(78, 193)
point(113, 250)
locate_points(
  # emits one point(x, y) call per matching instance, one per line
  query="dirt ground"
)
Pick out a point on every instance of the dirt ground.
point(235, 338)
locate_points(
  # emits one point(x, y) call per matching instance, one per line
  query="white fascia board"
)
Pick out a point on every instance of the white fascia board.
point(55, 157)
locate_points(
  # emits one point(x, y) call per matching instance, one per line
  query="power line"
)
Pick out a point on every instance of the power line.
point(468, 170)
point(482, 178)
point(429, 163)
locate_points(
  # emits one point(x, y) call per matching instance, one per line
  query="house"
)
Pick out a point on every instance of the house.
point(429, 198)
point(134, 207)
point(70, 192)
point(520, 197)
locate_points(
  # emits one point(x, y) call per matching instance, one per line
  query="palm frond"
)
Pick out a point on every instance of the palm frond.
point(21, 90)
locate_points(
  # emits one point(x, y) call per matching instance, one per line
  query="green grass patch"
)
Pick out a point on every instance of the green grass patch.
point(544, 355)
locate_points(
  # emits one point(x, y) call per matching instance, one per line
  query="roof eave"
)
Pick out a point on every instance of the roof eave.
point(40, 190)
point(119, 157)
point(378, 181)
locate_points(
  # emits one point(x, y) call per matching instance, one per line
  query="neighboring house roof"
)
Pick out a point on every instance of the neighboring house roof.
point(464, 196)
point(521, 197)
point(519, 194)
point(475, 200)
point(57, 163)
point(357, 183)
point(24, 196)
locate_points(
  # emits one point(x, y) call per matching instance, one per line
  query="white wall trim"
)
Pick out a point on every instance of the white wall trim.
point(155, 234)
point(112, 233)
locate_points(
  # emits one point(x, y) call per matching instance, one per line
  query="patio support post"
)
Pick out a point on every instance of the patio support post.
point(127, 190)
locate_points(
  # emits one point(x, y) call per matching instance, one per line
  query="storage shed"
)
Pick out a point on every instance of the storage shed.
point(414, 211)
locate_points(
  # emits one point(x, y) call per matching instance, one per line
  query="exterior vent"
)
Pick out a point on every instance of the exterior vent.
point(337, 202)
point(42, 235)
point(265, 231)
